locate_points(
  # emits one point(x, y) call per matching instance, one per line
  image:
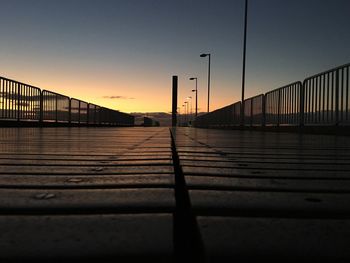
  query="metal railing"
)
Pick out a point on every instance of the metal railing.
point(94, 114)
point(322, 99)
point(254, 111)
point(326, 98)
point(282, 105)
point(20, 102)
point(149, 122)
point(224, 117)
point(55, 107)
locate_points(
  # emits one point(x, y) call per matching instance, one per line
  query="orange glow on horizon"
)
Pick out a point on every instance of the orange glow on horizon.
point(136, 95)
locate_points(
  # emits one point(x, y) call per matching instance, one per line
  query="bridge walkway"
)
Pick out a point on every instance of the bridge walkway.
point(152, 194)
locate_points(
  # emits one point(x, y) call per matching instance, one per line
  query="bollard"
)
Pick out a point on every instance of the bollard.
point(174, 105)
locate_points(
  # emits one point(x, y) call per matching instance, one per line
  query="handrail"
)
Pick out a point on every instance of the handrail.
point(322, 99)
point(20, 102)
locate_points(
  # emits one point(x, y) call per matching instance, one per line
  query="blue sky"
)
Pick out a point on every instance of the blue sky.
point(130, 48)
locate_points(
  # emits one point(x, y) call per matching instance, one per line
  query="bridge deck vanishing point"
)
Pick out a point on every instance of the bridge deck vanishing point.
point(173, 195)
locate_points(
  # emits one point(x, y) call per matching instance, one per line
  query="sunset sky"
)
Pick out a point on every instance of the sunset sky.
point(122, 53)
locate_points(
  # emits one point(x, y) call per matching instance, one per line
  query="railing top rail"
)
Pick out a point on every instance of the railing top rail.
point(79, 100)
point(228, 106)
point(326, 72)
point(214, 111)
point(21, 83)
point(285, 86)
point(255, 97)
point(55, 93)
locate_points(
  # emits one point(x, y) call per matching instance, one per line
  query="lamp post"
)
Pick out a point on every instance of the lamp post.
point(244, 59)
point(186, 107)
point(191, 111)
point(203, 56)
point(196, 90)
point(184, 113)
point(190, 107)
point(178, 113)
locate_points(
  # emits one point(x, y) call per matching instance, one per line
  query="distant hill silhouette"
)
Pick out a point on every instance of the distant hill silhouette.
point(163, 117)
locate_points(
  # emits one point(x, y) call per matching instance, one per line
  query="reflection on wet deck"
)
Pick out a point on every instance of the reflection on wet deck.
point(115, 193)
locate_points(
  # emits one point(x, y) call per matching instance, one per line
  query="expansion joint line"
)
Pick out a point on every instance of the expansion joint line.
point(188, 244)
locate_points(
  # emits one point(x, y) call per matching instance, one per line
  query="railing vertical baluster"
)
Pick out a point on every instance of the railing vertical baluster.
point(341, 110)
point(251, 113)
point(70, 112)
point(332, 98)
point(319, 84)
point(347, 93)
point(1, 98)
point(18, 101)
point(278, 107)
point(6, 100)
point(302, 104)
point(87, 114)
point(79, 112)
point(263, 121)
point(41, 112)
point(323, 97)
point(316, 99)
point(307, 102)
point(328, 102)
point(337, 98)
point(56, 108)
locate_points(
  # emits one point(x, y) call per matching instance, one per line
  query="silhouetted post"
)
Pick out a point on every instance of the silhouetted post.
point(302, 103)
point(337, 97)
point(70, 112)
point(56, 109)
point(244, 58)
point(196, 90)
point(203, 56)
point(87, 114)
point(174, 108)
point(41, 113)
point(18, 102)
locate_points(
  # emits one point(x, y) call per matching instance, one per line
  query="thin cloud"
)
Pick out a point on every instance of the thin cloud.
point(118, 97)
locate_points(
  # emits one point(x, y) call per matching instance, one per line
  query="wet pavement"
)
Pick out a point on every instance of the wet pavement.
point(134, 194)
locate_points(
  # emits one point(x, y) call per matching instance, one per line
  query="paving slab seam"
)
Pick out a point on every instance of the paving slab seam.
point(188, 243)
point(261, 176)
point(87, 187)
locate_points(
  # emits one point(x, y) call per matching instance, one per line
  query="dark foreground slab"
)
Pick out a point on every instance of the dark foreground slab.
point(130, 194)
point(86, 194)
point(268, 196)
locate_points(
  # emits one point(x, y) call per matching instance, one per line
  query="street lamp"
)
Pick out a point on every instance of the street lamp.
point(244, 59)
point(203, 56)
point(196, 90)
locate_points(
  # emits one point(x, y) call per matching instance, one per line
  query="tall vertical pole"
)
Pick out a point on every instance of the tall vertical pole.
point(208, 81)
point(196, 99)
point(174, 105)
point(244, 59)
point(191, 112)
point(188, 112)
point(337, 81)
